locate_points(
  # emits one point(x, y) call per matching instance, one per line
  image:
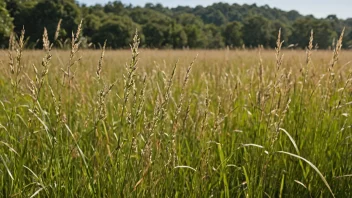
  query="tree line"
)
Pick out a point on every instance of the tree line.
point(217, 26)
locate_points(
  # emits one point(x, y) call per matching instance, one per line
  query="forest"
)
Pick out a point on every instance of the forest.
point(217, 26)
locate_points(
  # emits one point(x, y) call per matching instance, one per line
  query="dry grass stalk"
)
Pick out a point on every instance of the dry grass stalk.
point(333, 62)
point(15, 63)
point(12, 41)
point(337, 50)
point(100, 64)
point(182, 96)
point(36, 85)
point(279, 56)
point(131, 68)
point(74, 49)
point(57, 30)
point(101, 101)
point(46, 43)
point(310, 48)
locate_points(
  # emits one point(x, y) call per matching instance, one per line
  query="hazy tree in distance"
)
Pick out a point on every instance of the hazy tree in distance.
point(118, 32)
point(47, 13)
point(233, 34)
point(323, 32)
point(178, 36)
point(193, 27)
point(154, 34)
point(6, 25)
point(21, 12)
point(286, 33)
point(214, 36)
point(256, 31)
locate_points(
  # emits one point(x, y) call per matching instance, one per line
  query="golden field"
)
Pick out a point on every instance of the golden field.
point(180, 123)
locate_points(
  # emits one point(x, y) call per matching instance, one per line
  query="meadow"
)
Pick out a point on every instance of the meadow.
point(175, 123)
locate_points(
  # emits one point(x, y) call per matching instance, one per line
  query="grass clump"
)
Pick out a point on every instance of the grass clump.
point(175, 123)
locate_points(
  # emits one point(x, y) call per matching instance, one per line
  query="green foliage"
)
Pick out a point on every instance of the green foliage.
point(256, 31)
point(233, 34)
point(349, 38)
point(216, 17)
point(145, 15)
point(189, 19)
point(6, 24)
point(118, 32)
point(92, 24)
point(196, 36)
point(214, 37)
point(20, 10)
point(178, 36)
point(47, 13)
point(323, 32)
point(114, 7)
point(154, 35)
point(286, 32)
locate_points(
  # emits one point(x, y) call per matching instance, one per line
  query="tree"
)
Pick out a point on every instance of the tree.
point(178, 36)
point(286, 32)
point(92, 24)
point(256, 31)
point(193, 27)
point(323, 32)
point(196, 37)
point(115, 7)
point(155, 35)
point(349, 40)
point(47, 13)
point(189, 19)
point(118, 32)
point(214, 36)
point(215, 17)
point(6, 25)
point(21, 12)
point(293, 15)
point(301, 32)
point(233, 34)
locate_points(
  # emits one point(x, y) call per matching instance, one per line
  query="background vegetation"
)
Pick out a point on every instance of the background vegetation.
point(215, 26)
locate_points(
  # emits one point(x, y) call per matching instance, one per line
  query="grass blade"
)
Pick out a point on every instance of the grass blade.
point(342, 176)
point(79, 149)
point(291, 139)
point(7, 168)
point(36, 192)
point(313, 166)
point(195, 170)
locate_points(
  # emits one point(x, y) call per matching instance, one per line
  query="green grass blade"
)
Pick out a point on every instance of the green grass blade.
point(7, 168)
point(313, 166)
point(291, 139)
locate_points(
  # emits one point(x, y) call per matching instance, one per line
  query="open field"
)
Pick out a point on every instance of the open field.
point(176, 124)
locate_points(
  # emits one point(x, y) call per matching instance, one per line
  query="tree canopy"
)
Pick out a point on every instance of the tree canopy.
point(215, 26)
point(6, 24)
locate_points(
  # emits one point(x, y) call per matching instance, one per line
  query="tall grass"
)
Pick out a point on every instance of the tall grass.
point(147, 123)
